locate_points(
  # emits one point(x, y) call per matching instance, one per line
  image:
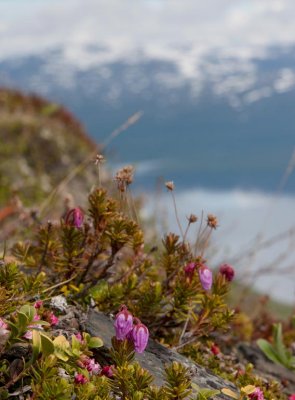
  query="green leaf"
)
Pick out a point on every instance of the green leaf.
point(13, 328)
point(268, 350)
point(37, 346)
point(206, 394)
point(23, 321)
point(47, 344)
point(279, 344)
point(76, 345)
point(29, 311)
point(39, 322)
point(95, 342)
point(61, 347)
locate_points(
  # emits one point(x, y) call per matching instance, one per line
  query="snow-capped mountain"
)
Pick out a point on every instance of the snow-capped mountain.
point(218, 119)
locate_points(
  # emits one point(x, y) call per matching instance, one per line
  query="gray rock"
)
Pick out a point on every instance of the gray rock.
point(156, 356)
point(266, 368)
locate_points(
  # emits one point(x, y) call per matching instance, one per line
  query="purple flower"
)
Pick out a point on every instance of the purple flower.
point(140, 337)
point(205, 277)
point(227, 271)
point(4, 332)
point(80, 378)
point(92, 367)
point(74, 217)
point(123, 323)
point(257, 394)
point(79, 337)
point(29, 333)
point(3, 324)
point(38, 304)
point(53, 319)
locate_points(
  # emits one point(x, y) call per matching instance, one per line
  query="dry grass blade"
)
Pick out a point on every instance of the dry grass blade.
point(129, 122)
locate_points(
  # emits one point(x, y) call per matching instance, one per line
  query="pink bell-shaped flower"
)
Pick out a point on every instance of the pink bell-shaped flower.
point(206, 277)
point(140, 337)
point(123, 323)
point(75, 217)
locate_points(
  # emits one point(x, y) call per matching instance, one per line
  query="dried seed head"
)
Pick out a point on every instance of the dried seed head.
point(99, 159)
point(212, 221)
point(124, 177)
point(170, 185)
point(192, 219)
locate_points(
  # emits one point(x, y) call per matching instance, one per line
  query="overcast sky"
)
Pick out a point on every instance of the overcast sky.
point(154, 27)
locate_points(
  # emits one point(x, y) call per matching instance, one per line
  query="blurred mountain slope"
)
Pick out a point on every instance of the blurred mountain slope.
point(41, 143)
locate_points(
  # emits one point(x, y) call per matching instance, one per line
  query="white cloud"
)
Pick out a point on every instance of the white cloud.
point(285, 81)
point(174, 29)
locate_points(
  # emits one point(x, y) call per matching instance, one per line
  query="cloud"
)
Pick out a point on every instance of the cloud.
point(171, 29)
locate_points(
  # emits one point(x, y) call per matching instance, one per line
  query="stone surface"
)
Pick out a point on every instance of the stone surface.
point(156, 356)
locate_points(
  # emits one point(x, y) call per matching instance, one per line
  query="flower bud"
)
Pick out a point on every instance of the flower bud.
point(206, 277)
point(74, 217)
point(123, 323)
point(189, 270)
point(227, 271)
point(107, 371)
point(53, 319)
point(140, 337)
point(38, 304)
point(215, 349)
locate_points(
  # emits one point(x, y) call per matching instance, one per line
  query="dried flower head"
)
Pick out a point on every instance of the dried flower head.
point(192, 219)
point(124, 177)
point(170, 185)
point(99, 159)
point(212, 221)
